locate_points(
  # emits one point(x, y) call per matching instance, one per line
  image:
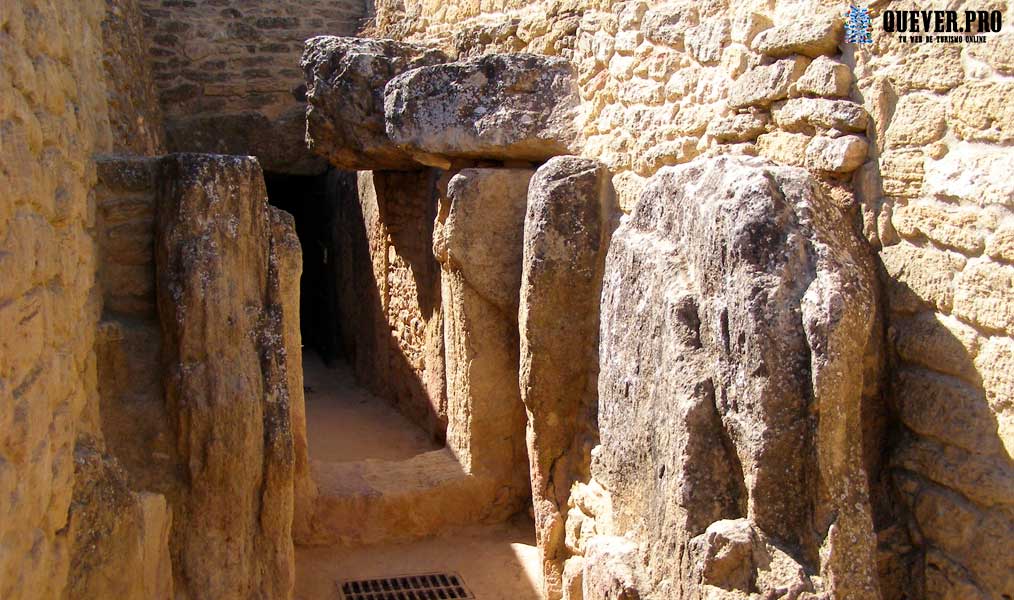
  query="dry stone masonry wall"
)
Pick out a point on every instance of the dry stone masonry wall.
point(227, 73)
point(788, 373)
point(937, 199)
point(912, 140)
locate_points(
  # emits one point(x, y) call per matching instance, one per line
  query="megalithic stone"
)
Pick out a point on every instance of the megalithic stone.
point(226, 383)
point(345, 79)
point(566, 224)
point(499, 106)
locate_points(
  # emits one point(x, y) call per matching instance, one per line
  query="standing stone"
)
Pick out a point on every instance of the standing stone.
point(226, 384)
point(290, 267)
point(499, 106)
point(737, 352)
point(478, 240)
point(558, 322)
point(345, 80)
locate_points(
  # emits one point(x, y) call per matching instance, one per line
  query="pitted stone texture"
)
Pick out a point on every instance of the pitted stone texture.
point(738, 127)
point(764, 84)
point(668, 23)
point(825, 77)
point(836, 155)
point(120, 537)
point(568, 209)
point(738, 348)
point(225, 377)
point(500, 106)
point(478, 241)
point(918, 119)
point(809, 36)
point(800, 114)
point(345, 79)
point(984, 111)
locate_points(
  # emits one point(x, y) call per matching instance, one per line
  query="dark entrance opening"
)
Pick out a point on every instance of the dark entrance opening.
point(306, 199)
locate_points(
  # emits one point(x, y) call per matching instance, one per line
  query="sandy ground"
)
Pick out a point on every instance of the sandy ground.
point(498, 562)
point(346, 423)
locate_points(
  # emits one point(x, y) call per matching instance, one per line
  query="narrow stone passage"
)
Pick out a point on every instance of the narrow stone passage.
point(347, 423)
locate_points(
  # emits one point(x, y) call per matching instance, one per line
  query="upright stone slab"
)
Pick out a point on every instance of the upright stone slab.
point(568, 204)
point(478, 240)
point(737, 350)
point(227, 389)
point(345, 80)
point(499, 106)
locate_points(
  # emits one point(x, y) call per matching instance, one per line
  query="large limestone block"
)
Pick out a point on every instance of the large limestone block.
point(289, 255)
point(669, 22)
point(568, 204)
point(345, 79)
point(225, 377)
point(478, 241)
point(737, 352)
point(918, 119)
point(919, 276)
point(483, 230)
point(499, 106)
point(836, 155)
point(974, 173)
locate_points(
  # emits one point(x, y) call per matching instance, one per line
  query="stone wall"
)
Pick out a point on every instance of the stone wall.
point(912, 142)
point(134, 112)
point(52, 118)
point(389, 314)
point(937, 200)
point(227, 73)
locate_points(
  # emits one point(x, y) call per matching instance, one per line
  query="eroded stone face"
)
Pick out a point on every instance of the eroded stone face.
point(568, 210)
point(738, 309)
point(226, 384)
point(345, 79)
point(477, 240)
point(500, 106)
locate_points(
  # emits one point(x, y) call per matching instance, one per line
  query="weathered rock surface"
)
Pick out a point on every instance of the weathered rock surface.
point(738, 127)
point(836, 155)
point(500, 106)
point(227, 389)
point(738, 350)
point(120, 537)
point(478, 241)
point(564, 243)
point(799, 113)
point(345, 79)
point(764, 84)
point(809, 36)
point(825, 77)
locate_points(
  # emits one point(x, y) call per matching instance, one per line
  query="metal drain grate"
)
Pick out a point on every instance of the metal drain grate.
point(431, 586)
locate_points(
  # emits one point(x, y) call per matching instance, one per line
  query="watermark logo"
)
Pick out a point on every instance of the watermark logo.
point(858, 29)
point(942, 26)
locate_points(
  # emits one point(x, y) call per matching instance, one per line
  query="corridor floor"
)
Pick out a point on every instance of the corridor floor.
point(346, 423)
point(498, 562)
